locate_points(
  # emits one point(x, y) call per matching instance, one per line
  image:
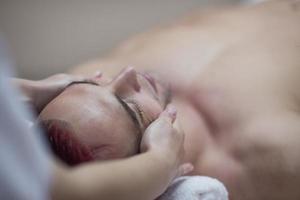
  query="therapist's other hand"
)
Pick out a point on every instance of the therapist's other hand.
point(46, 90)
point(164, 138)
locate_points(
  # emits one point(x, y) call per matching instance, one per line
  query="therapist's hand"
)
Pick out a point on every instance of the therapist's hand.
point(39, 93)
point(164, 138)
point(47, 89)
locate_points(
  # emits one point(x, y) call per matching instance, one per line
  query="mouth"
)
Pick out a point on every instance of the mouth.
point(151, 80)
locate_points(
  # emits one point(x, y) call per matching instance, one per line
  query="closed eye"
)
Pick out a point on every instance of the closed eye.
point(139, 110)
point(134, 115)
point(145, 121)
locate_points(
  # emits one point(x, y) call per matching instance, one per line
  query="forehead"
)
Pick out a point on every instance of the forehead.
point(101, 114)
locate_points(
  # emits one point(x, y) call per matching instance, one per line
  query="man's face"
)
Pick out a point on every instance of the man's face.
point(111, 116)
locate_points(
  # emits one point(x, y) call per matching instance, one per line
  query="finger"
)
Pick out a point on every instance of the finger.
point(98, 74)
point(185, 169)
point(169, 113)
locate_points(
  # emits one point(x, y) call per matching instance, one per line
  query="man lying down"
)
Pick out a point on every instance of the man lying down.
point(106, 118)
point(234, 77)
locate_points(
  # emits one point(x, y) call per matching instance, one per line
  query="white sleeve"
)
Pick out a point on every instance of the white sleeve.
point(25, 163)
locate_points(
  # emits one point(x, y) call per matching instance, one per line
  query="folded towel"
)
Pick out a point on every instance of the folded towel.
point(195, 188)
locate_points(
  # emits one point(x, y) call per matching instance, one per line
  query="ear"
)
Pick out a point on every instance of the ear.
point(64, 144)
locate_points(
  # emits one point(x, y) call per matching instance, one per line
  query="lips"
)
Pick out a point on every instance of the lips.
point(151, 80)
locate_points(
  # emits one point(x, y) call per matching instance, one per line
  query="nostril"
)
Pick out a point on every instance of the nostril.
point(137, 86)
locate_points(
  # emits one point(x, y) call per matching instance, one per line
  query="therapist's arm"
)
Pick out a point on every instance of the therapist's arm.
point(142, 177)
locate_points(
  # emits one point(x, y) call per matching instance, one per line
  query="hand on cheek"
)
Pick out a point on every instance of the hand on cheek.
point(165, 138)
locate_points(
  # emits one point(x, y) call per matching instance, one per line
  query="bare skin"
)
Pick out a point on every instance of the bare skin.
point(235, 76)
point(126, 104)
point(161, 150)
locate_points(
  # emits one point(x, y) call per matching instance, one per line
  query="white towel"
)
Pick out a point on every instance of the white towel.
point(195, 188)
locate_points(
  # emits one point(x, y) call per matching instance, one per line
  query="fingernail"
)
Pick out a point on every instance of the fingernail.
point(171, 110)
point(98, 74)
point(188, 168)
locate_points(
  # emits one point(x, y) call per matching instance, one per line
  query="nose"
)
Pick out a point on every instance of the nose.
point(126, 81)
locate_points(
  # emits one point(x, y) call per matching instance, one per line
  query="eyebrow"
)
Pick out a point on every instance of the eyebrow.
point(131, 113)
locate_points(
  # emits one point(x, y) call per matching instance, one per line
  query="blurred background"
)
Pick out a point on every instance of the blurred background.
point(49, 36)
